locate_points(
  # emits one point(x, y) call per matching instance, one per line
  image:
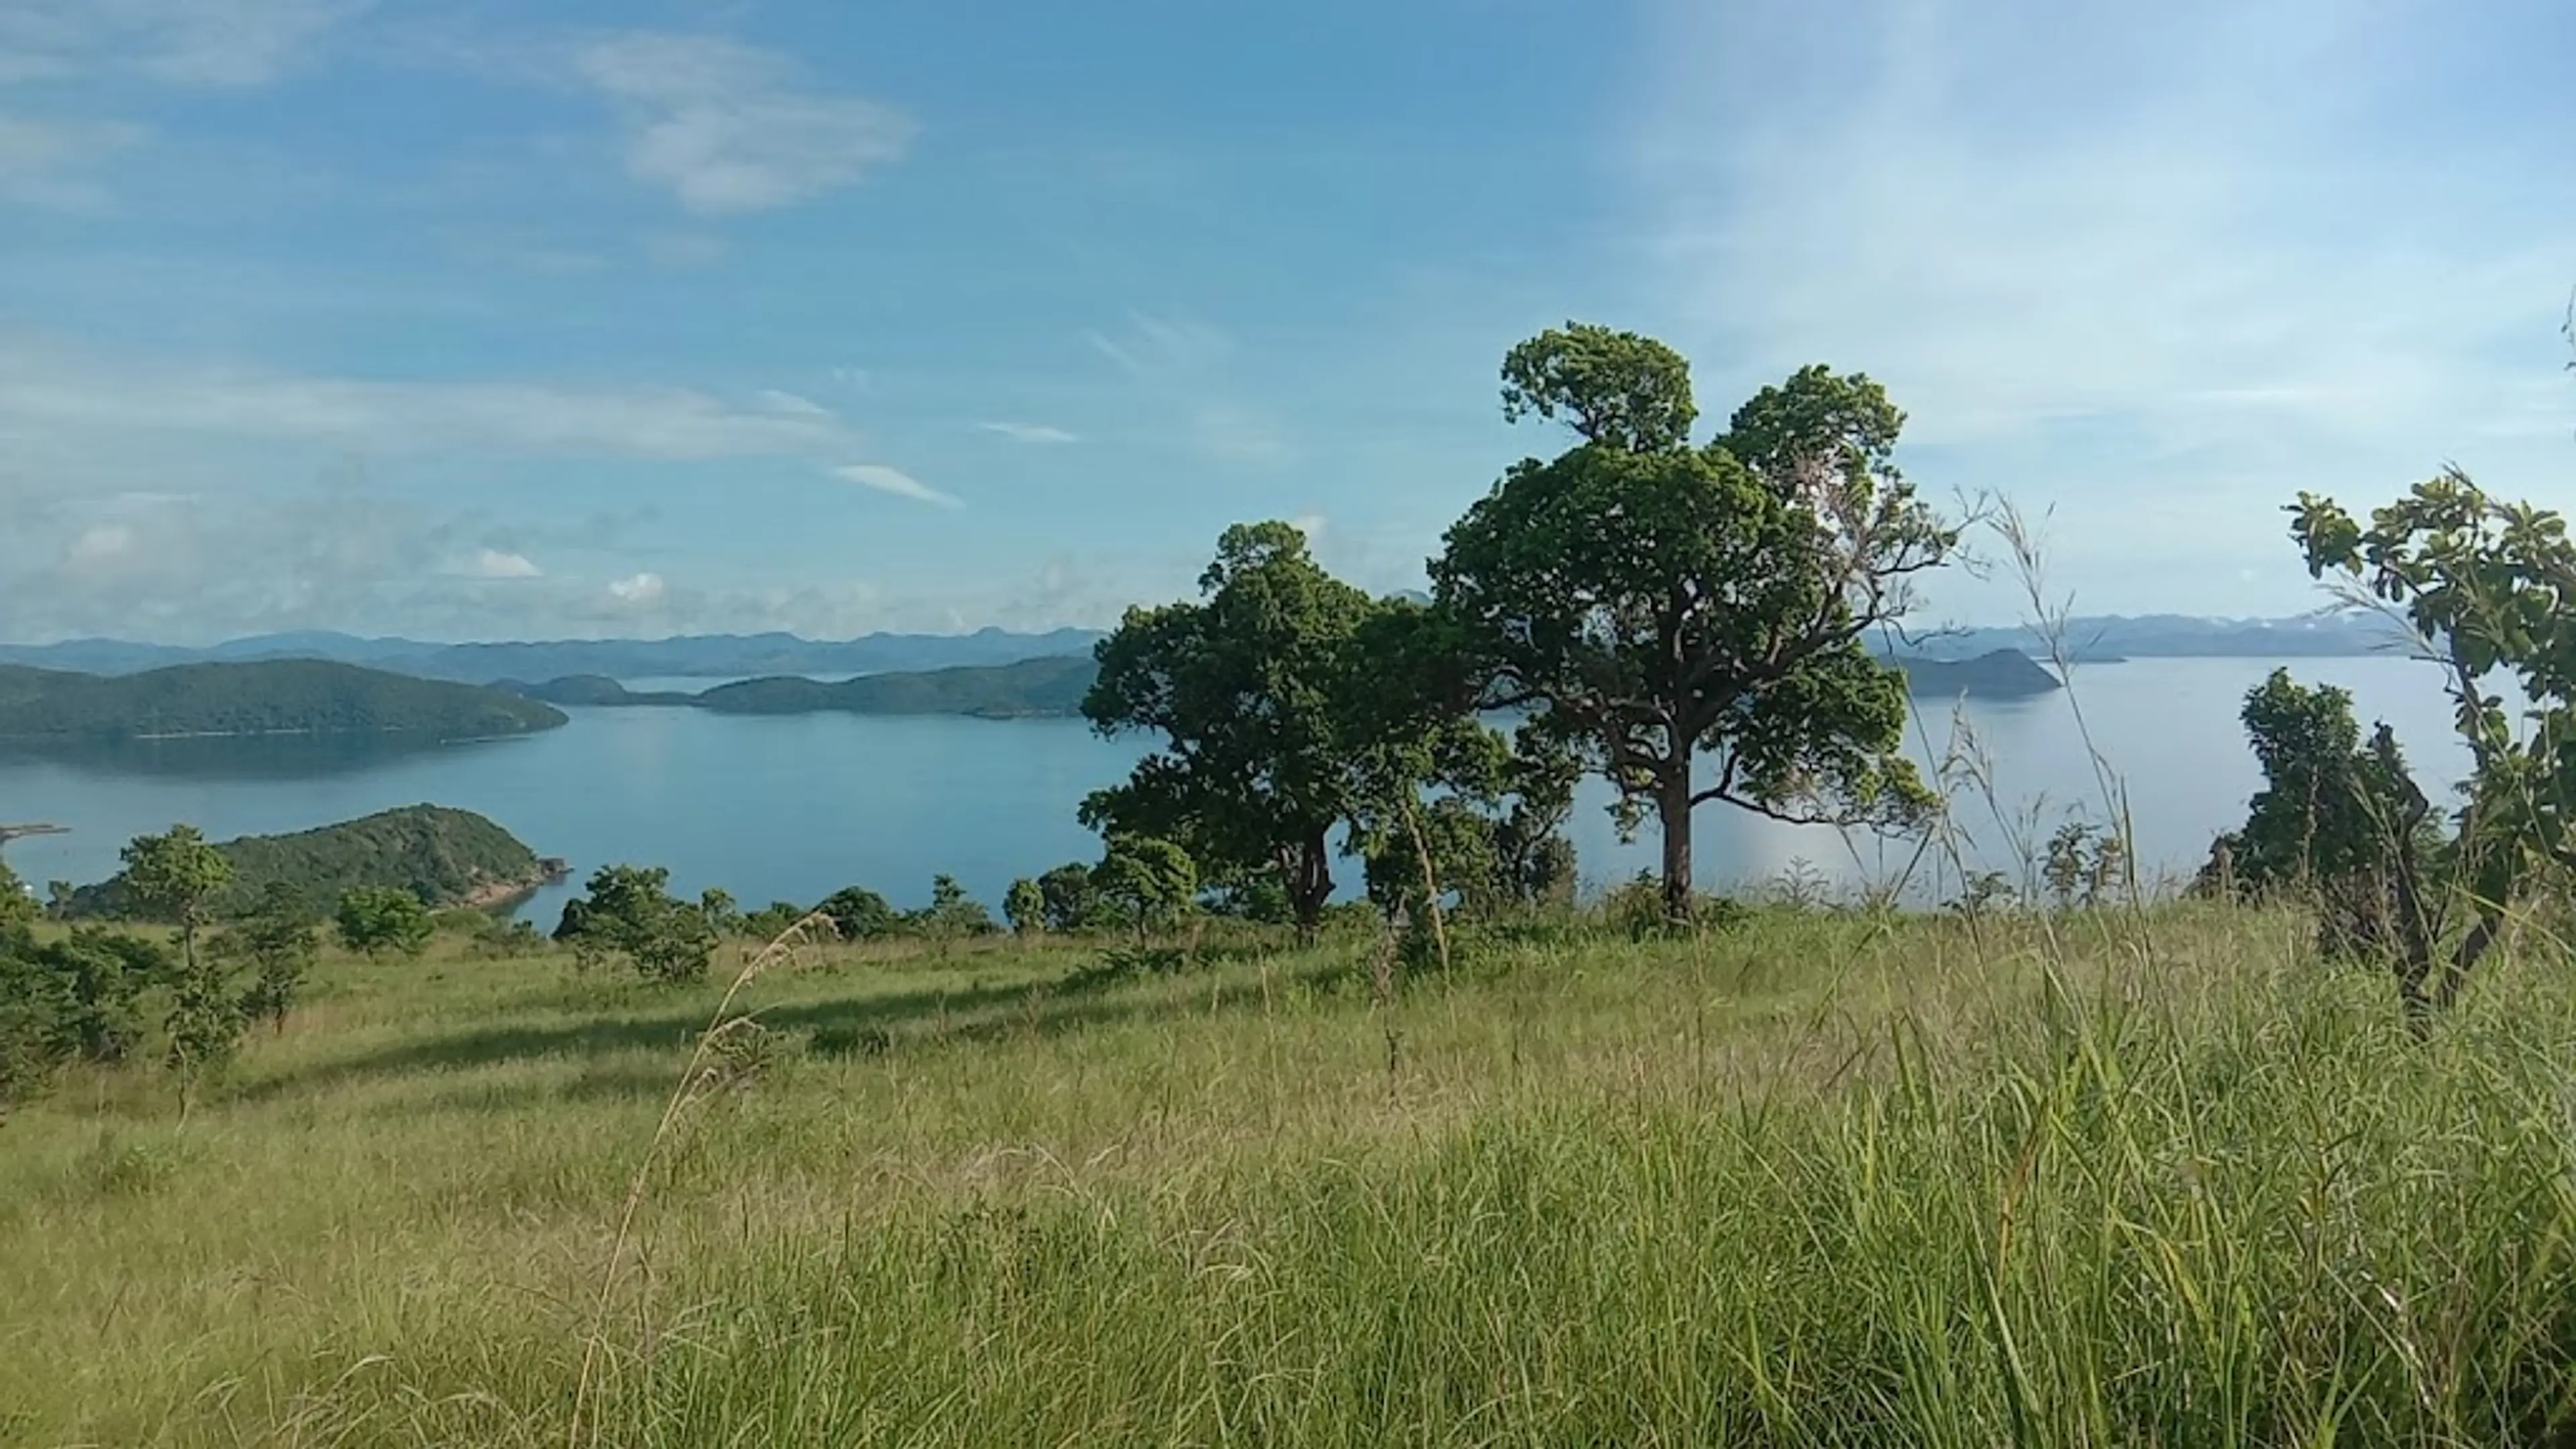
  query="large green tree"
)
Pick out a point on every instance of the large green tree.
point(1248, 688)
point(1653, 601)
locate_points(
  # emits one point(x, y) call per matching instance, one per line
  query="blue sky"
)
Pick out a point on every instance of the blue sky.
point(483, 320)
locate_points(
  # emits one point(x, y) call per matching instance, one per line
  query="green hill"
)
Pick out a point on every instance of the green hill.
point(591, 690)
point(269, 697)
point(446, 857)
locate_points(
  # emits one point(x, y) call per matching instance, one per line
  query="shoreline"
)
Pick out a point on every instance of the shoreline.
point(493, 895)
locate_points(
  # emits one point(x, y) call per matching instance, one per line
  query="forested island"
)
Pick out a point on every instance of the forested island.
point(1029, 688)
point(1054, 689)
point(1996, 674)
point(265, 697)
point(444, 856)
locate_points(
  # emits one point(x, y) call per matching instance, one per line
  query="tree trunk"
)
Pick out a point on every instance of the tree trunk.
point(2482, 935)
point(1430, 886)
point(1673, 810)
point(1312, 887)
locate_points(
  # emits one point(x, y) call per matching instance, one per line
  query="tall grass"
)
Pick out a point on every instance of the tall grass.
point(1821, 1178)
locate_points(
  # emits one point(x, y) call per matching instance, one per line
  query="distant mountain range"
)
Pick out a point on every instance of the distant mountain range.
point(698, 656)
point(2177, 636)
point(738, 656)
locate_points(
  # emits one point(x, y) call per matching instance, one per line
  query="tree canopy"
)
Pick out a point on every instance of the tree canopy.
point(1248, 688)
point(1653, 602)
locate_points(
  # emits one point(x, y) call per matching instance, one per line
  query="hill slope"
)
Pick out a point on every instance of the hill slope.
point(272, 697)
point(446, 857)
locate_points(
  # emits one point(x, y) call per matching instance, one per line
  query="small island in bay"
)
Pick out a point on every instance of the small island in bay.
point(446, 857)
point(1995, 674)
point(1048, 688)
point(309, 697)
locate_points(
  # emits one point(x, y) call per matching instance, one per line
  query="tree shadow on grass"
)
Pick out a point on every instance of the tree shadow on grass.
point(875, 1025)
point(672, 1030)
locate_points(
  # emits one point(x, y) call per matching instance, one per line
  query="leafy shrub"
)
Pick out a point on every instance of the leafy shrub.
point(860, 914)
point(375, 919)
point(1067, 897)
point(629, 913)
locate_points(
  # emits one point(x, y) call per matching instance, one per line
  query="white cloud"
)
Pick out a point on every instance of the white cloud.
point(2164, 264)
point(493, 563)
point(730, 128)
point(1310, 524)
point(897, 482)
point(637, 589)
point(1031, 432)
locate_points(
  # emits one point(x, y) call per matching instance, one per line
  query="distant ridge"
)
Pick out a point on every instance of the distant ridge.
point(747, 656)
point(1052, 688)
point(699, 656)
point(2108, 637)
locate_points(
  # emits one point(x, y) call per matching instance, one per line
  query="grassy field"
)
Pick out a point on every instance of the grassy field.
point(1817, 1179)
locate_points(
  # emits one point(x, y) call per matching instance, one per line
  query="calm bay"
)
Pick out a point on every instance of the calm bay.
point(795, 807)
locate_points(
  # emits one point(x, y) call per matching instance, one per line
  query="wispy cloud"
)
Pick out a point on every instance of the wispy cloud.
point(48, 163)
point(792, 405)
point(2105, 253)
point(732, 128)
point(1031, 432)
point(64, 393)
point(1154, 347)
point(493, 563)
point(1181, 367)
point(897, 482)
point(228, 44)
